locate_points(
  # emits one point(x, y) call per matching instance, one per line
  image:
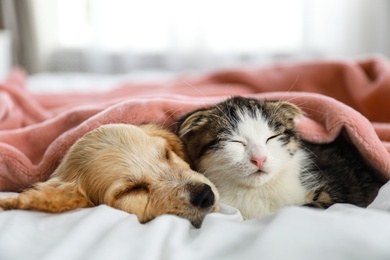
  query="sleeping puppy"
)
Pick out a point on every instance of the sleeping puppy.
point(137, 169)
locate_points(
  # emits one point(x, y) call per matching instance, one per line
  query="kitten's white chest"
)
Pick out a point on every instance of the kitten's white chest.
point(284, 189)
point(254, 203)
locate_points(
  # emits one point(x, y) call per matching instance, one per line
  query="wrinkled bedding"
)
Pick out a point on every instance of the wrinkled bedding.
point(339, 97)
point(340, 232)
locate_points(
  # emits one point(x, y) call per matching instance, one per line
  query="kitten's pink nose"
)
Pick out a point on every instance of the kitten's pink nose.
point(258, 161)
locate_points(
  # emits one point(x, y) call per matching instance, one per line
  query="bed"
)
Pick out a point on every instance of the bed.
point(38, 123)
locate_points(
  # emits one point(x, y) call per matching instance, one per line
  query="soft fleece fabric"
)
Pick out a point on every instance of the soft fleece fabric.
point(340, 96)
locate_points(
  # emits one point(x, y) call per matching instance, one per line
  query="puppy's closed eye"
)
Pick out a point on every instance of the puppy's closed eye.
point(168, 154)
point(142, 187)
point(134, 189)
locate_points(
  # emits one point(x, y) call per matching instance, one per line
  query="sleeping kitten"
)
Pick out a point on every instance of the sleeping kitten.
point(251, 150)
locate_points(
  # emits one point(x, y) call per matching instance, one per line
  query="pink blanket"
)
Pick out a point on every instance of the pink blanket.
point(351, 97)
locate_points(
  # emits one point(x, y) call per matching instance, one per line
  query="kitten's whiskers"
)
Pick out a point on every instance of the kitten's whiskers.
point(286, 92)
point(289, 90)
point(200, 92)
point(166, 119)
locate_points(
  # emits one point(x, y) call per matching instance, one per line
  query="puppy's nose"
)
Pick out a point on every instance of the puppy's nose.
point(203, 197)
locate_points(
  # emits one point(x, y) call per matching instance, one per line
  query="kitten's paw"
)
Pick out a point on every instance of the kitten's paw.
point(319, 199)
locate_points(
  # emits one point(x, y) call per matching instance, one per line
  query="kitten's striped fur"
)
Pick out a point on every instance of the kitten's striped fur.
point(252, 152)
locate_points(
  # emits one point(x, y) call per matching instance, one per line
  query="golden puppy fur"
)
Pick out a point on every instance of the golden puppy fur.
point(137, 169)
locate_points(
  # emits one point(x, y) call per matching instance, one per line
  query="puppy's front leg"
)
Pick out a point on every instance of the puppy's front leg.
point(48, 196)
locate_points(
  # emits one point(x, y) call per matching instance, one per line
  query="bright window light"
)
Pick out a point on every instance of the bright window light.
point(219, 26)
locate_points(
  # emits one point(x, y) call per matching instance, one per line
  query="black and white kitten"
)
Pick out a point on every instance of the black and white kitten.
point(251, 150)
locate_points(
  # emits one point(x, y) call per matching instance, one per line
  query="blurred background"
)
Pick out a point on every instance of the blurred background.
point(129, 36)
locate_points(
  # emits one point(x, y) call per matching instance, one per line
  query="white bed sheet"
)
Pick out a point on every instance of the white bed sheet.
point(340, 232)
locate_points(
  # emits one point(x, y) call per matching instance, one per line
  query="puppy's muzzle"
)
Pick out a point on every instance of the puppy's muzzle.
point(203, 197)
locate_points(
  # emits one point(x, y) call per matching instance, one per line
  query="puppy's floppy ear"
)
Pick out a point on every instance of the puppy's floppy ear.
point(172, 139)
point(52, 196)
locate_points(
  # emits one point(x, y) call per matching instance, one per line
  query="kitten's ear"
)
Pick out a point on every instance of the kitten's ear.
point(289, 109)
point(191, 121)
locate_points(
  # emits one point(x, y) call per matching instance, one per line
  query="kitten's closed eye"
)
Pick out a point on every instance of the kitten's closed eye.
point(239, 141)
point(272, 137)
